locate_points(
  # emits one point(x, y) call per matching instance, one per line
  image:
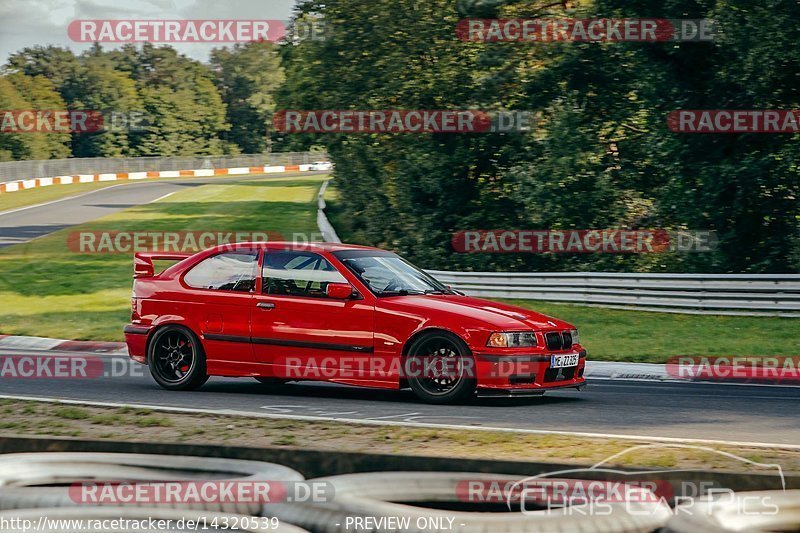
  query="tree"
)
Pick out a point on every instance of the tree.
point(247, 76)
point(21, 92)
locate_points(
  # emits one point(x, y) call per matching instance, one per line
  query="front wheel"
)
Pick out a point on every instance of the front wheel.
point(176, 359)
point(440, 369)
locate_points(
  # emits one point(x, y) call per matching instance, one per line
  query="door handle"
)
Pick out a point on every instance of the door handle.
point(265, 305)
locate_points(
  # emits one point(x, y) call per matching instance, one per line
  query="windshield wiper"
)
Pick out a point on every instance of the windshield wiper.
point(402, 292)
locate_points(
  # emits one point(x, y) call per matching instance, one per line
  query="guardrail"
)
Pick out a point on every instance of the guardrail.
point(23, 170)
point(717, 294)
point(324, 225)
point(701, 294)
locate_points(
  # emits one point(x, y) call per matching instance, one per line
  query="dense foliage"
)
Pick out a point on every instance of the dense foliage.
point(601, 155)
point(180, 106)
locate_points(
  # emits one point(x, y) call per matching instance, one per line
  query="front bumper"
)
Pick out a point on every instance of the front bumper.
point(526, 393)
point(526, 374)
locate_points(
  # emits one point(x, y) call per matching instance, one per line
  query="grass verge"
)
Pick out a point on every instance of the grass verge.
point(48, 290)
point(27, 418)
point(636, 336)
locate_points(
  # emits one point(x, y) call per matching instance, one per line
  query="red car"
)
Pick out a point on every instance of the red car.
point(362, 316)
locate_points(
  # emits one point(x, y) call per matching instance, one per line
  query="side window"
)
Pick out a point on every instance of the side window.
point(225, 272)
point(298, 274)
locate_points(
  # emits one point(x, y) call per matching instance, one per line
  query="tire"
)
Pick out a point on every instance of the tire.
point(397, 495)
point(771, 510)
point(43, 480)
point(163, 359)
point(458, 387)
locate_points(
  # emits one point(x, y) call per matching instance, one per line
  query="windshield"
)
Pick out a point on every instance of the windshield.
point(391, 275)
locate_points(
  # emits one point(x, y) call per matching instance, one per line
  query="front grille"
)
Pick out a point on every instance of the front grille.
point(566, 340)
point(558, 341)
point(553, 340)
point(552, 374)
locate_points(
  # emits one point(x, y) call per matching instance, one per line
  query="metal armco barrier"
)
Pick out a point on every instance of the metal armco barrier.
point(324, 225)
point(717, 294)
point(22, 170)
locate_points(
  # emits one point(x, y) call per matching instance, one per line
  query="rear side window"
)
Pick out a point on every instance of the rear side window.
point(298, 274)
point(225, 272)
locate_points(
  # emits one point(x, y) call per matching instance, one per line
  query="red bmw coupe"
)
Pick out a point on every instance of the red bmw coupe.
point(355, 315)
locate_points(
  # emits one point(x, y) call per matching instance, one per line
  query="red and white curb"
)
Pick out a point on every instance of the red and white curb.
point(634, 371)
point(20, 342)
point(20, 185)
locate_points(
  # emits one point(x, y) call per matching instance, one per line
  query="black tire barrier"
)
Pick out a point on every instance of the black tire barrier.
point(392, 494)
point(754, 512)
point(24, 477)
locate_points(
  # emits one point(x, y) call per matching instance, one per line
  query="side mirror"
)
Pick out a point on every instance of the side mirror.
point(339, 291)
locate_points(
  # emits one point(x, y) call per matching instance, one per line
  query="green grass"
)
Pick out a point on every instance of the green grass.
point(48, 290)
point(40, 195)
point(620, 335)
point(71, 413)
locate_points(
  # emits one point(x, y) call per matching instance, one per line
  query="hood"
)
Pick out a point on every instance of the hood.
point(497, 315)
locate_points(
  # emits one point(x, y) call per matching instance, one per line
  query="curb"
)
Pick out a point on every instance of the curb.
point(20, 342)
point(619, 370)
point(19, 185)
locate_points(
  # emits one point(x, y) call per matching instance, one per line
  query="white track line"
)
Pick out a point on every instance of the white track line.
point(137, 182)
point(376, 422)
point(161, 197)
point(3, 213)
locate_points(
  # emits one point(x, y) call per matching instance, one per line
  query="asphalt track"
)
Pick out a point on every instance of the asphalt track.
point(741, 413)
point(706, 411)
point(21, 225)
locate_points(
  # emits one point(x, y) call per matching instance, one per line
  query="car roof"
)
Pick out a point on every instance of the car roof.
point(315, 246)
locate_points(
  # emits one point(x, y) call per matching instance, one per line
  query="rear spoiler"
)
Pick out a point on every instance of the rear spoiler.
point(143, 262)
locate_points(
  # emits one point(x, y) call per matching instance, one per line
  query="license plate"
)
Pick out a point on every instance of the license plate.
point(564, 361)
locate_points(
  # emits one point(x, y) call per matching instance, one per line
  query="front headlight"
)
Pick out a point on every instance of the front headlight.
point(576, 339)
point(512, 339)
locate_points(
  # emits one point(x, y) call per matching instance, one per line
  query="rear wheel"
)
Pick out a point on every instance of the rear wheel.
point(176, 359)
point(440, 368)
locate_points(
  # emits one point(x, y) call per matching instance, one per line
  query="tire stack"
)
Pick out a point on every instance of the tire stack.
point(393, 494)
point(35, 486)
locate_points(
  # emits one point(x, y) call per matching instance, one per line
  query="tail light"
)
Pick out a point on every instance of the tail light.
point(134, 311)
